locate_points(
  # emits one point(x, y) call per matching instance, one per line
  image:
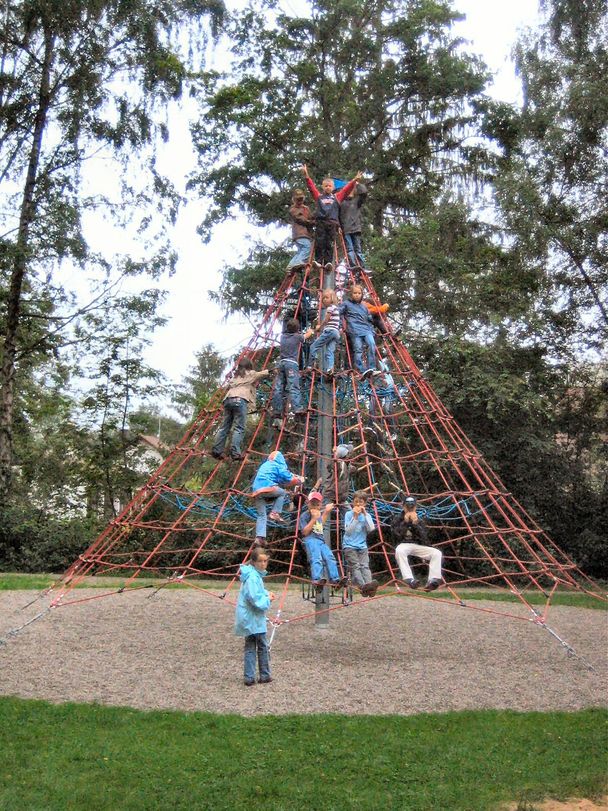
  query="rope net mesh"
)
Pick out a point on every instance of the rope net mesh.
point(194, 519)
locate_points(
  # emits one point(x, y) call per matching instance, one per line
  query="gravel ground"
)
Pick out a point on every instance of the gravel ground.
point(395, 655)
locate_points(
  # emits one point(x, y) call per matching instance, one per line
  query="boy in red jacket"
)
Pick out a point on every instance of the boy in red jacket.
point(327, 215)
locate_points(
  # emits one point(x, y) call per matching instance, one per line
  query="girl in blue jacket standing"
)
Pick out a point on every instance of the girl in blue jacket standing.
point(250, 619)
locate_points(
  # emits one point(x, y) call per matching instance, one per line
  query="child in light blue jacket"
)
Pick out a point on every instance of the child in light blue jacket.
point(250, 618)
point(268, 487)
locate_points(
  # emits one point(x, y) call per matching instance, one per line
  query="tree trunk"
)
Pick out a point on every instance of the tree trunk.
point(19, 266)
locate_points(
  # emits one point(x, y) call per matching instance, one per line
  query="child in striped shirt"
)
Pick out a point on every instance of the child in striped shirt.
point(329, 331)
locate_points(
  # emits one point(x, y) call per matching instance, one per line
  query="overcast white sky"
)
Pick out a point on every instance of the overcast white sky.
point(490, 26)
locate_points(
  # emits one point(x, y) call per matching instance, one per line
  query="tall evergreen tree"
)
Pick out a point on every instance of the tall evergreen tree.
point(551, 185)
point(355, 84)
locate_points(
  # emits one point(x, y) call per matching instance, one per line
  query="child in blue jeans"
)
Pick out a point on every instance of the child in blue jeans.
point(266, 487)
point(318, 552)
point(359, 330)
point(250, 618)
point(287, 381)
point(329, 331)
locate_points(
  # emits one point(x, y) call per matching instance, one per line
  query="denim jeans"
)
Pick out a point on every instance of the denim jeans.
point(319, 553)
point(302, 255)
point(235, 414)
point(277, 496)
point(357, 342)
point(353, 248)
point(256, 644)
point(329, 339)
point(287, 387)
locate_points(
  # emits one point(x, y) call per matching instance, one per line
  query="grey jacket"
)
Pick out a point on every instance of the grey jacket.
point(350, 211)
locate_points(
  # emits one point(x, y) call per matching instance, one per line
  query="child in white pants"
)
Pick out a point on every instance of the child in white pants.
point(409, 525)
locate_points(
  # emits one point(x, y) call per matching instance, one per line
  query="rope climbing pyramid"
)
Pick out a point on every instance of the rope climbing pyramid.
point(194, 520)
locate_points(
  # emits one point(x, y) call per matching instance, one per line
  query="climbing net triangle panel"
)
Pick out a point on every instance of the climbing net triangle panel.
point(193, 521)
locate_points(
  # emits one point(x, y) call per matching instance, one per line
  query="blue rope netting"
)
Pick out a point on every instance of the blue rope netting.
point(442, 511)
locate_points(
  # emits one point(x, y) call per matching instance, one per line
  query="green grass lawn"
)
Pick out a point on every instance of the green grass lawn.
point(10, 581)
point(70, 756)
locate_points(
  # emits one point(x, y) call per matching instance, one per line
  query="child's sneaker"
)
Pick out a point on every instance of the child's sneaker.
point(277, 518)
point(413, 583)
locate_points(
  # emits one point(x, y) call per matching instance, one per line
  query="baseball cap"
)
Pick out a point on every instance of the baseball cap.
point(314, 495)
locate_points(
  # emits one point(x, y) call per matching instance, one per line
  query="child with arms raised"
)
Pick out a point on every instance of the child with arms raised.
point(327, 215)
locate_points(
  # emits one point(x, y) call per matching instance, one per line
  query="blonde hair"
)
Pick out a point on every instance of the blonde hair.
point(332, 294)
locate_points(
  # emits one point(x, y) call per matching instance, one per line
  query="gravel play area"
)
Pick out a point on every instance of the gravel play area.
point(395, 655)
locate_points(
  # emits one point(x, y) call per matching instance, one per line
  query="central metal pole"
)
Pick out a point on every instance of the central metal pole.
point(324, 453)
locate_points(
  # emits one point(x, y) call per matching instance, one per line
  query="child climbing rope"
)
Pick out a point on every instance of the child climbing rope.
point(302, 223)
point(318, 552)
point(359, 329)
point(329, 332)
point(266, 488)
point(250, 617)
point(240, 394)
point(350, 220)
point(358, 523)
point(327, 215)
point(337, 479)
point(287, 382)
point(410, 528)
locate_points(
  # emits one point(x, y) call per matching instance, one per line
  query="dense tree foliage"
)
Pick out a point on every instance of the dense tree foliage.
point(77, 78)
point(485, 225)
point(504, 311)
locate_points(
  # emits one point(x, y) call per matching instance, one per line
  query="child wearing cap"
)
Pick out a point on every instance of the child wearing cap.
point(410, 528)
point(317, 551)
point(302, 223)
point(357, 524)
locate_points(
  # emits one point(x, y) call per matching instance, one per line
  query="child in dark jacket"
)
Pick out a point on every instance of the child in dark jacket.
point(250, 618)
point(287, 382)
point(327, 215)
point(410, 529)
point(240, 394)
point(337, 481)
point(350, 220)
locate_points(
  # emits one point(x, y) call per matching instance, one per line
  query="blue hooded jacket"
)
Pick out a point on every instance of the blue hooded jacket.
point(272, 473)
point(253, 603)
